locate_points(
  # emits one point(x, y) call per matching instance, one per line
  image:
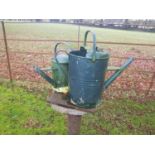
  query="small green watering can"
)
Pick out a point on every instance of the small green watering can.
point(59, 68)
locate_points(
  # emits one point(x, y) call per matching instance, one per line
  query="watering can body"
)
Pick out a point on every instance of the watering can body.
point(87, 69)
point(60, 71)
point(86, 79)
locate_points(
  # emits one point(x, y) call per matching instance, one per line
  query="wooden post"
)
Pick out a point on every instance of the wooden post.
point(60, 103)
point(74, 123)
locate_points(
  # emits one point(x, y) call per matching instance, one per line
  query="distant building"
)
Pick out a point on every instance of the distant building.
point(132, 24)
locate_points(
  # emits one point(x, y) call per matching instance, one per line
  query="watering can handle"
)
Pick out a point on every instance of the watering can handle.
point(94, 43)
point(56, 46)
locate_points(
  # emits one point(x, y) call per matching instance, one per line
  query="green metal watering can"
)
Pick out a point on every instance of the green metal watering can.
point(59, 68)
point(87, 69)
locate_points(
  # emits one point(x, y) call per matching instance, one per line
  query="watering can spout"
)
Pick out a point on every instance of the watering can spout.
point(44, 75)
point(117, 73)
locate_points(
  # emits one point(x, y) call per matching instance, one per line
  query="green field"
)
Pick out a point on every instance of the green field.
point(24, 112)
point(70, 32)
point(64, 31)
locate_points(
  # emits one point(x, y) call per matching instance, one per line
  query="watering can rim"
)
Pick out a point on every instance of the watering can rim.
point(107, 56)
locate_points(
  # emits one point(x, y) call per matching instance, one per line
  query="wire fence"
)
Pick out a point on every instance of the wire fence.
point(137, 82)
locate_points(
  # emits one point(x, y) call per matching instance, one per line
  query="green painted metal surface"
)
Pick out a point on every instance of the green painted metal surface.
point(87, 70)
point(60, 73)
point(59, 68)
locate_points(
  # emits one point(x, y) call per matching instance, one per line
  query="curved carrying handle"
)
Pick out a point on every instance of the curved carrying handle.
point(56, 46)
point(94, 43)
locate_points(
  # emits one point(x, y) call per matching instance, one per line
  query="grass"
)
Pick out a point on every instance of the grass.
point(70, 32)
point(121, 117)
point(65, 31)
point(23, 112)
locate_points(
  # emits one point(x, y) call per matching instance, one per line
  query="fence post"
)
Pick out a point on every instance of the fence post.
point(151, 84)
point(78, 36)
point(7, 53)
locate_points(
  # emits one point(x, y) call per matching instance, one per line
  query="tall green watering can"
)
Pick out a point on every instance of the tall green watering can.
point(87, 69)
point(59, 68)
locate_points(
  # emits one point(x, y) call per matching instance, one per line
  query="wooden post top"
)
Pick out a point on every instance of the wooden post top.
point(61, 103)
